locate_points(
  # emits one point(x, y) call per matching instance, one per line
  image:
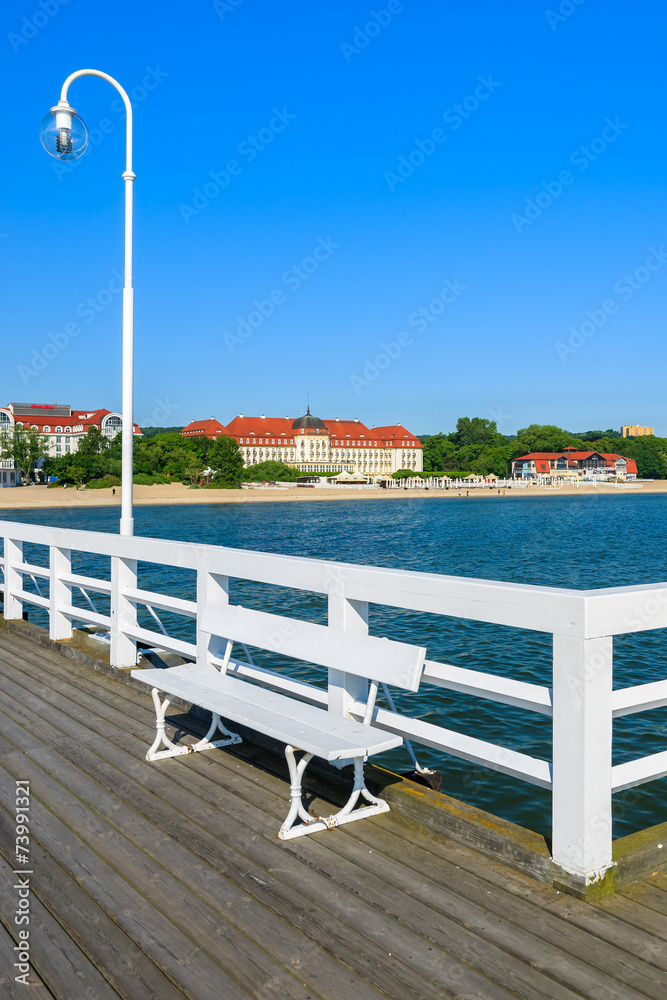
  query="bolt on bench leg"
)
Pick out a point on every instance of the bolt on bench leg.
point(345, 815)
point(172, 749)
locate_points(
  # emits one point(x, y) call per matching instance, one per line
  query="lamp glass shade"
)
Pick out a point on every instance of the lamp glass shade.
point(63, 143)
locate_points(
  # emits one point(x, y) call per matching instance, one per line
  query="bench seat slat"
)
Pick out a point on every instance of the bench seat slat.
point(307, 727)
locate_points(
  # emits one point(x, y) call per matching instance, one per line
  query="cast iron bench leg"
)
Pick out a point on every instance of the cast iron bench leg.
point(172, 750)
point(344, 815)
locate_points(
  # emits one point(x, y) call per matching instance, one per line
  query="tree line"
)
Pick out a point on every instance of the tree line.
point(476, 446)
point(97, 461)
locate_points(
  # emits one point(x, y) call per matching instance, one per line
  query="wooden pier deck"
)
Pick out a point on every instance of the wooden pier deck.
point(167, 880)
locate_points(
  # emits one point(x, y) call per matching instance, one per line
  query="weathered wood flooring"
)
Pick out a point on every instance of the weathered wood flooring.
point(167, 880)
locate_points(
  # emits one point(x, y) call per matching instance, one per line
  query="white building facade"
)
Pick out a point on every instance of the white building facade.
point(322, 447)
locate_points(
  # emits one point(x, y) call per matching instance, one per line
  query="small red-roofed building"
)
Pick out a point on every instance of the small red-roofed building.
point(570, 463)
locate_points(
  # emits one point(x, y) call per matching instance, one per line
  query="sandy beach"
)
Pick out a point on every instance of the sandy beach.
point(34, 497)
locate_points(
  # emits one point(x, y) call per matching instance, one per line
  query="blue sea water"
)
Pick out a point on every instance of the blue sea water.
point(579, 542)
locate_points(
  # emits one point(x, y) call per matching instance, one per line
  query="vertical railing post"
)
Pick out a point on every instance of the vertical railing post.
point(13, 579)
point(60, 594)
point(582, 731)
point(345, 689)
point(123, 651)
point(212, 590)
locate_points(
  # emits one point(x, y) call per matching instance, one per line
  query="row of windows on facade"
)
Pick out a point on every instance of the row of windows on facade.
point(284, 443)
point(111, 427)
point(364, 456)
point(316, 448)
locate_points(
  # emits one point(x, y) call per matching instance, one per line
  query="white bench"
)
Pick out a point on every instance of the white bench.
point(212, 684)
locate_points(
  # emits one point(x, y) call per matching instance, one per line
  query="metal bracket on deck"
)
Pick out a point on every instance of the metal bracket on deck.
point(172, 749)
point(310, 824)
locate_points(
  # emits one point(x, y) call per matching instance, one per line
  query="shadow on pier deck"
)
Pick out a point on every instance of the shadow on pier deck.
point(167, 880)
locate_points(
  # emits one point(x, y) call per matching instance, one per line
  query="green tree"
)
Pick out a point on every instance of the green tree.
point(546, 437)
point(438, 449)
point(94, 443)
point(271, 472)
point(194, 471)
point(77, 473)
point(648, 454)
point(25, 447)
point(226, 461)
point(474, 431)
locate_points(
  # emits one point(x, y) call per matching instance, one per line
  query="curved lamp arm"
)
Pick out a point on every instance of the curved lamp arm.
point(126, 100)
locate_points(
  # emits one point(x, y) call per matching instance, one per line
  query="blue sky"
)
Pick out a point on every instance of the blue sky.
point(413, 211)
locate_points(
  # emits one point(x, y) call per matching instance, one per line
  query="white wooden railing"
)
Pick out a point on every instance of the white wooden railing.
point(583, 623)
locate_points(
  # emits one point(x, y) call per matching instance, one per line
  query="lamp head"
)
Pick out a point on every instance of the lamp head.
point(62, 133)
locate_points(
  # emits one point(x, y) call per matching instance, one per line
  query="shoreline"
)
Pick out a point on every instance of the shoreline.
point(40, 497)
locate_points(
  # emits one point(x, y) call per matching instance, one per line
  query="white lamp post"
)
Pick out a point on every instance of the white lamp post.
point(64, 136)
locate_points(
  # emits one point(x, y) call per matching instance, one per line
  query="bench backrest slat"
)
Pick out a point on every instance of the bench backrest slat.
point(383, 660)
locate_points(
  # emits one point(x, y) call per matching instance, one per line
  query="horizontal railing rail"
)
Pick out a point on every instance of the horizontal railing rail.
point(580, 701)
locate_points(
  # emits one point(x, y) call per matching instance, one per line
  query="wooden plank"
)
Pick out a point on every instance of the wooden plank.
point(65, 970)
point(627, 969)
point(524, 930)
point(9, 988)
point(635, 914)
point(178, 955)
point(261, 927)
point(365, 832)
point(568, 960)
point(54, 670)
point(517, 973)
point(648, 895)
point(93, 932)
point(296, 903)
point(610, 927)
point(133, 863)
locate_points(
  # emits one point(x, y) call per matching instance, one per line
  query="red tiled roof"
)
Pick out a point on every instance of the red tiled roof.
point(343, 433)
point(542, 459)
point(78, 418)
point(207, 428)
point(394, 433)
point(393, 436)
point(276, 427)
point(353, 429)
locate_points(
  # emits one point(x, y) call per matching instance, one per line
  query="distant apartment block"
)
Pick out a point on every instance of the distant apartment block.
point(634, 431)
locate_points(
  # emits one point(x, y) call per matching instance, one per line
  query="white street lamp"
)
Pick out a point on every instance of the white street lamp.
point(64, 136)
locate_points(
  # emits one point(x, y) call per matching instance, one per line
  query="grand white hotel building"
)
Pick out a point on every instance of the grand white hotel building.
point(60, 425)
point(318, 446)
